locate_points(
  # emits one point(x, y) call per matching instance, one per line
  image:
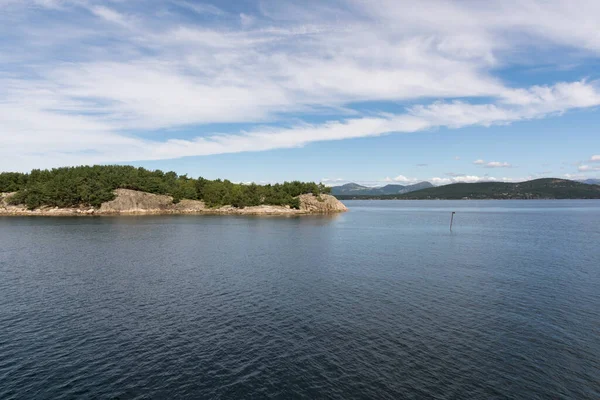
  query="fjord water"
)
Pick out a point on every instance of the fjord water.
point(380, 302)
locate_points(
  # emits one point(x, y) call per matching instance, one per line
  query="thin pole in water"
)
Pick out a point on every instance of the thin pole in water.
point(452, 220)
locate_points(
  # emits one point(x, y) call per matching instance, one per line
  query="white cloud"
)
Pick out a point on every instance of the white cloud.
point(50, 4)
point(402, 179)
point(38, 128)
point(200, 8)
point(575, 177)
point(588, 168)
point(455, 179)
point(550, 98)
point(492, 164)
point(247, 20)
point(333, 181)
point(550, 20)
point(110, 15)
point(111, 85)
point(595, 158)
point(497, 164)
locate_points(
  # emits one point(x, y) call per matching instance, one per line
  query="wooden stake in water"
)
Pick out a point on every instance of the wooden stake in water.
point(452, 220)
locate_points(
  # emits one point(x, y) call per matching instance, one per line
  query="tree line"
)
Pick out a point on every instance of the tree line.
point(94, 185)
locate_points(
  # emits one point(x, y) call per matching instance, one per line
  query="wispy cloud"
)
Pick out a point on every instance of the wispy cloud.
point(497, 164)
point(200, 8)
point(122, 74)
point(401, 179)
point(575, 177)
point(38, 143)
point(588, 168)
point(110, 15)
point(492, 164)
point(331, 181)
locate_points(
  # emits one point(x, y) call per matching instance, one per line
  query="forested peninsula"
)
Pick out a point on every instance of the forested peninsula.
point(114, 189)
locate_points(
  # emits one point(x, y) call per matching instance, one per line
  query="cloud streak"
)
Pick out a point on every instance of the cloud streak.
point(497, 164)
point(588, 168)
point(99, 140)
point(492, 164)
point(127, 75)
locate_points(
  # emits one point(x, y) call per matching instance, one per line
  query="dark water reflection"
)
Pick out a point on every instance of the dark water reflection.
point(381, 302)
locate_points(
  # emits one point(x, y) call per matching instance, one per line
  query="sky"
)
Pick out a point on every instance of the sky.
point(368, 91)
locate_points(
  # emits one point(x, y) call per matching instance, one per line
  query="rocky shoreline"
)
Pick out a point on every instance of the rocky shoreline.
point(131, 202)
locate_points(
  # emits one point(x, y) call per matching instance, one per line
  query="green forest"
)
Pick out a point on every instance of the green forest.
point(94, 185)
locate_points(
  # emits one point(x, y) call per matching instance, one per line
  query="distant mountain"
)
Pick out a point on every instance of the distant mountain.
point(348, 188)
point(354, 190)
point(591, 181)
point(388, 189)
point(417, 186)
point(548, 188)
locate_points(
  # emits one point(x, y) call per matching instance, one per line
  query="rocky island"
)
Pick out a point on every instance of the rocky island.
point(123, 190)
point(544, 188)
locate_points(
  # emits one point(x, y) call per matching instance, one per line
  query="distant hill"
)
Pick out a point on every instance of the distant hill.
point(399, 189)
point(591, 181)
point(548, 188)
point(350, 190)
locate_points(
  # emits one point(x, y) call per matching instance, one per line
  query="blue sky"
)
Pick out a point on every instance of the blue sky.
point(334, 91)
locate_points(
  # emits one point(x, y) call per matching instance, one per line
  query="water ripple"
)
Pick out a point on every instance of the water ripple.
point(187, 307)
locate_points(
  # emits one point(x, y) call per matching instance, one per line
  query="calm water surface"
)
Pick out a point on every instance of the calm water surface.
point(380, 302)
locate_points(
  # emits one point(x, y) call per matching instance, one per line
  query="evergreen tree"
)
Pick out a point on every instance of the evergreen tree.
point(94, 185)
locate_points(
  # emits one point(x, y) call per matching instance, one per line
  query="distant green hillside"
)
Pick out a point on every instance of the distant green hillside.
point(591, 181)
point(348, 188)
point(548, 188)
